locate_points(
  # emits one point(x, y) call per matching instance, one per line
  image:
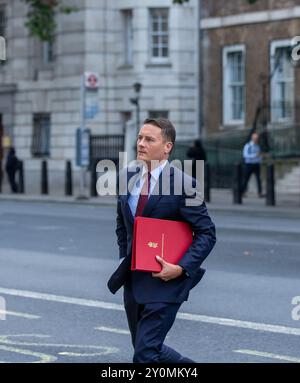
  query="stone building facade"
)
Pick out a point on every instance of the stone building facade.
point(125, 41)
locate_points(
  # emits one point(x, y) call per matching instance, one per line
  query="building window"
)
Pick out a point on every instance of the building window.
point(128, 36)
point(41, 135)
point(47, 52)
point(282, 82)
point(234, 85)
point(159, 34)
point(2, 20)
point(2, 26)
point(158, 113)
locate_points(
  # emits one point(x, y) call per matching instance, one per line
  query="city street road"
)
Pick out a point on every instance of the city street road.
point(56, 258)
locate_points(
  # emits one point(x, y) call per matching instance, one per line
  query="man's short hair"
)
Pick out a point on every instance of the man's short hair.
point(167, 128)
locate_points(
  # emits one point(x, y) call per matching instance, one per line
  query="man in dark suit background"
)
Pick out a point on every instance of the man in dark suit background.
point(152, 300)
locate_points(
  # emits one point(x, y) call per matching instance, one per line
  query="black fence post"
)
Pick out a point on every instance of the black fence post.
point(21, 187)
point(270, 192)
point(206, 182)
point(44, 178)
point(93, 189)
point(68, 179)
point(237, 184)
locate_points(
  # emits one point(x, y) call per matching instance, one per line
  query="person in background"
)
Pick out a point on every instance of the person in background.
point(196, 152)
point(11, 167)
point(252, 158)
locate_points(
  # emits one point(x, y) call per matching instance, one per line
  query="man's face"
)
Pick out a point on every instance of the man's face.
point(255, 138)
point(151, 144)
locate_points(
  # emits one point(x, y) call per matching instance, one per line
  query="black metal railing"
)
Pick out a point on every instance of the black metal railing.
point(106, 147)
point(225, 150)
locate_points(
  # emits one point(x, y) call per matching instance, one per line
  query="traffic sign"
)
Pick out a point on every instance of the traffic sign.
point(82, 147)
point(91, 80)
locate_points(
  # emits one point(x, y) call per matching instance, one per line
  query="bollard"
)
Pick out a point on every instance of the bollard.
point(68, 179)
point(270, 192)
point(237, 184)
point(93, 189)
point(0, 176)
point(21, 188)
point(44, 178)
point(206, 182)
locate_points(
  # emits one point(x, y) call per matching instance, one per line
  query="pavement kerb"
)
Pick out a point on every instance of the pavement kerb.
point(111, 201)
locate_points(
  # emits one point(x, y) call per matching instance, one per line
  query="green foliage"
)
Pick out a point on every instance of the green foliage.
point(41, 17)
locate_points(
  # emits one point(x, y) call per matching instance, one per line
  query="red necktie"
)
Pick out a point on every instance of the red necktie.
point(143, 198)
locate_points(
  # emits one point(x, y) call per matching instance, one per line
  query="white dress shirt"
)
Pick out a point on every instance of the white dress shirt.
point(136, 190)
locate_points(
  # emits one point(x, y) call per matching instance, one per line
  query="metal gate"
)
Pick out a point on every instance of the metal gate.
point(106, 147)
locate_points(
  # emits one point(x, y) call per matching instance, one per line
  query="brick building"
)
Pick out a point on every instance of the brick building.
point(248, 74)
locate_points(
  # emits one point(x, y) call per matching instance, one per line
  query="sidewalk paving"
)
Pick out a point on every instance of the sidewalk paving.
point(221, 199)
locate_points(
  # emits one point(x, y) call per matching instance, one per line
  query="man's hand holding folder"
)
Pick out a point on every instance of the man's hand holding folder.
point(169, 271)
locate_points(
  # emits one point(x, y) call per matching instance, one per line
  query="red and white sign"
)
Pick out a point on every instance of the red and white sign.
point(91, 80)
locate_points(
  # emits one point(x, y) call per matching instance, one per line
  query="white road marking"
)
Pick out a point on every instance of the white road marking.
point(17, 314)
point(47, 228)
point(62, 299)
point(6, 343)
point(115, 330)
point(5, 340)
point(43, 358)
point(77, 354)
point(241, 324)
point(185, 316)
point(269, 355)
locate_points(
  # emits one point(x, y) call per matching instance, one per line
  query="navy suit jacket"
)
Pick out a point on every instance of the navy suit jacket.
point(186, 206)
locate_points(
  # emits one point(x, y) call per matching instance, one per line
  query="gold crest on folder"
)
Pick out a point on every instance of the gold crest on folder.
point(153, 244)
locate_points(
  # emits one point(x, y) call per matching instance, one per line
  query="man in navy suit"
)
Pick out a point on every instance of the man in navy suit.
point(152, 300)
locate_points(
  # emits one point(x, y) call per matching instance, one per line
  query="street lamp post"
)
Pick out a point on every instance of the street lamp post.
point(137, 86)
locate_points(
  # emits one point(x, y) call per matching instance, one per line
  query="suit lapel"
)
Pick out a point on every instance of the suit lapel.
point(127, 207)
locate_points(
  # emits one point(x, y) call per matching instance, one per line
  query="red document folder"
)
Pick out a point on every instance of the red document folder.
point(152, 236)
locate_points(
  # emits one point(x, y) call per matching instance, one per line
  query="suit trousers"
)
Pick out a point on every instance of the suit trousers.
point(249, 169)
point(149, 324)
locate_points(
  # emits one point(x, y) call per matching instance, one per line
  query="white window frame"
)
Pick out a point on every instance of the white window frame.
point(274, 45)
point(159, 59)
point(227, 118)
point(127, 17)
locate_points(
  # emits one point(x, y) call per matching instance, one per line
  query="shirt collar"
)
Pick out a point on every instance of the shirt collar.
point(155, 173)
